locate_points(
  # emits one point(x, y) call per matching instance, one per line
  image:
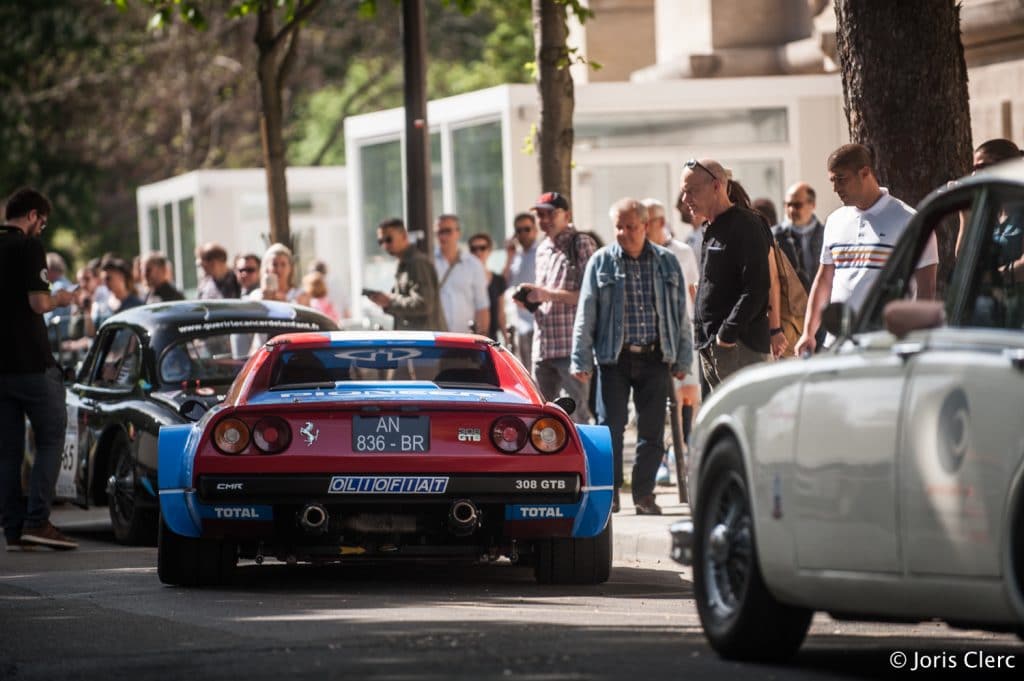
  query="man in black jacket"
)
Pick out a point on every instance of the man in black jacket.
point(801, 234)
point(30, 382)
point(731, 313)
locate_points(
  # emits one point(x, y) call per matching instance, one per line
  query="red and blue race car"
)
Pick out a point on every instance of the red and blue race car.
point(347, 446)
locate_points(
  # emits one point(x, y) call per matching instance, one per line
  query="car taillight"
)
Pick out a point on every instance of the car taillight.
point(271, 434)
point(231, 436)
point(548, 435)
point(509, 434)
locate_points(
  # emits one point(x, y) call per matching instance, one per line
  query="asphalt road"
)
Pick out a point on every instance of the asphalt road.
point(101, 613)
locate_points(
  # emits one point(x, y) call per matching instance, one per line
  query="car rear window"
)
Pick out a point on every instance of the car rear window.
point(212, 358)
point(447, 367)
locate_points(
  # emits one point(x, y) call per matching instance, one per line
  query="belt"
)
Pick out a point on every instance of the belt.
point(641, 349)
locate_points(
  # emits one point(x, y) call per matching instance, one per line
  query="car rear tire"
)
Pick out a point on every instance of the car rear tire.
point(575, 561)
point(132, 525)
point(188, 561)
point(741, 619)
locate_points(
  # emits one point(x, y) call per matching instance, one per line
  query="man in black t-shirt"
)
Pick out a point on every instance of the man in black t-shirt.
point(30, 382)
point(730, 316)
point(157, 271)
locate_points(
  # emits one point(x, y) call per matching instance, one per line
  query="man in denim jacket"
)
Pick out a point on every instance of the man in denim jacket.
point(632, 318)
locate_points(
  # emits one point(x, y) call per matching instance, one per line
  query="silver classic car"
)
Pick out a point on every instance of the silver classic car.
point(882, 479)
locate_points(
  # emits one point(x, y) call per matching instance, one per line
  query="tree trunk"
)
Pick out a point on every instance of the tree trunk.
point(905, 94)
point(554, 84)
point(272, 123)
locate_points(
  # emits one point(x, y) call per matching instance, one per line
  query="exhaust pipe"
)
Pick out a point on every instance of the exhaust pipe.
point(313, 519)
point(463, 518)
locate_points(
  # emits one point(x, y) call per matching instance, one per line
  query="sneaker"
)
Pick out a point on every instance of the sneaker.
point(647, 506)
point(19, 545)
point(47, 535)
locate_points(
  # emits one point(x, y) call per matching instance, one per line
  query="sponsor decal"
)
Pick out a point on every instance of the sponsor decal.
point(469, 435)
point(551, 512)
point(235, 486)
point(307, 431)
point(237, 512)
point(388, 484)
point(249, 324)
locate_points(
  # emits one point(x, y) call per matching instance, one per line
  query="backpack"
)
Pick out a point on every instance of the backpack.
point(574, 247)
point(792, 296)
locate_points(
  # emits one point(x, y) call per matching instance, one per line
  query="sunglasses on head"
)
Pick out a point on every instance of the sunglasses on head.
point(694, 163)
point(383, 240)
point(478, 248)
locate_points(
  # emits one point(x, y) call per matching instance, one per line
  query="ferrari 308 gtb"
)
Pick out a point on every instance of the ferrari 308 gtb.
point(348, 446)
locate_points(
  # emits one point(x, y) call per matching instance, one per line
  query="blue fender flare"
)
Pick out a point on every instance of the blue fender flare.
point(175, 455)
point(596, 506)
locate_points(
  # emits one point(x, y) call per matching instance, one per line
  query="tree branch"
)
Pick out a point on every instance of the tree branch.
point(301, 14)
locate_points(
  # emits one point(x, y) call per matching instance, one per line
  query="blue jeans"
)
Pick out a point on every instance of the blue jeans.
point(552, 375)
point(40, 397)
point(647, 376)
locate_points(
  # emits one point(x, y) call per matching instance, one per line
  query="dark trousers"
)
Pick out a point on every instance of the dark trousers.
point(40, 397)
point(718, 363)
point(647, 377)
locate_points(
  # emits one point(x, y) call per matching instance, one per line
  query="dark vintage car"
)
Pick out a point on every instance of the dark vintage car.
point(144, 365)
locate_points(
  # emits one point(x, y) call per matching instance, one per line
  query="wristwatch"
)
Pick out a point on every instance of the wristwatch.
point(776, 331)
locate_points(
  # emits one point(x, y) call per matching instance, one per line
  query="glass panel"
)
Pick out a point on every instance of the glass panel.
point(120, 367)
point(761, 178)
point(436, 174)
point(168, 227)
point(997, 287)
point(382, 197)
point(479, 181)
point(154, 228)
point(187, 216)
point(607, 184)
point(448, 367)
point(672, 128)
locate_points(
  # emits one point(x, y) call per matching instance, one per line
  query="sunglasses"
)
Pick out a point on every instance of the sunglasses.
point(694, 163)
point(383, 240)
point(524, 230)
point(246, 270)
point(796, 205)
point(479, 248)
point(444, 232)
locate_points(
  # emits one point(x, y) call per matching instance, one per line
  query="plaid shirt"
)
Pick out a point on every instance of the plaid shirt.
point(641, 319)
point(554, 321)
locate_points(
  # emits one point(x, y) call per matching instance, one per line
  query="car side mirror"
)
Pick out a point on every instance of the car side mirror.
point(566, 403)
point(903, 316)
point(192, 410)
point(837, 319)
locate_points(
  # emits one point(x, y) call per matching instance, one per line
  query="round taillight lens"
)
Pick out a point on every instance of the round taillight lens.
point(509, 434)
point(548, 435)
point(271, 434)
point(231, 436)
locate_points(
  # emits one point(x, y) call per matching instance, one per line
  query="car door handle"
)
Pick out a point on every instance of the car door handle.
point(907, 350)
point(1016, 357)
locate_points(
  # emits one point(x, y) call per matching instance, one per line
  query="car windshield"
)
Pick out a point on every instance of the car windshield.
point(212, 359)
point(446, 366)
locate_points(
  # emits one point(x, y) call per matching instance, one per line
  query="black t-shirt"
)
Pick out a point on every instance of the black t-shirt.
point(24, 347)
point(164, 293)
point(732, 298)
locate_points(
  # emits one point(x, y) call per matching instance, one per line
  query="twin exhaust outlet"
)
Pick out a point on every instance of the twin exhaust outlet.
point(463, 519)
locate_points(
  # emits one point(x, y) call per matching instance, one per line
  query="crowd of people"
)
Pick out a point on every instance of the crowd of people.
point(634, 320)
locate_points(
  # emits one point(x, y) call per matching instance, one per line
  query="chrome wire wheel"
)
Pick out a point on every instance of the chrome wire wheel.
point(729, 554)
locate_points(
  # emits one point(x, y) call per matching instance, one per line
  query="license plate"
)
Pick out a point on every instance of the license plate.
point(405, 434)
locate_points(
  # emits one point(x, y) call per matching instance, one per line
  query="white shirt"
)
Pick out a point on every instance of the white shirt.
point(858, 243)
point(688, 262)
point(464, 291)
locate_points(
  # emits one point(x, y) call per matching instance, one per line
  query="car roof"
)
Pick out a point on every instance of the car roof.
point(183, 312)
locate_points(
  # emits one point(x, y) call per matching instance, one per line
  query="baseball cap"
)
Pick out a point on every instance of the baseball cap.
point(551, 200)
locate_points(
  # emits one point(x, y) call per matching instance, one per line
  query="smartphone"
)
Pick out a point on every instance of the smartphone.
point(269, 281)
point(369, 291)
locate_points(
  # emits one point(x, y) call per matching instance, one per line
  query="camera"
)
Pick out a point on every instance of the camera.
point(521, 293)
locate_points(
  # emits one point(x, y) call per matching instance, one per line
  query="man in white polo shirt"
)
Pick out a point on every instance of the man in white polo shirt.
point(461, 280)
point(859, 238)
